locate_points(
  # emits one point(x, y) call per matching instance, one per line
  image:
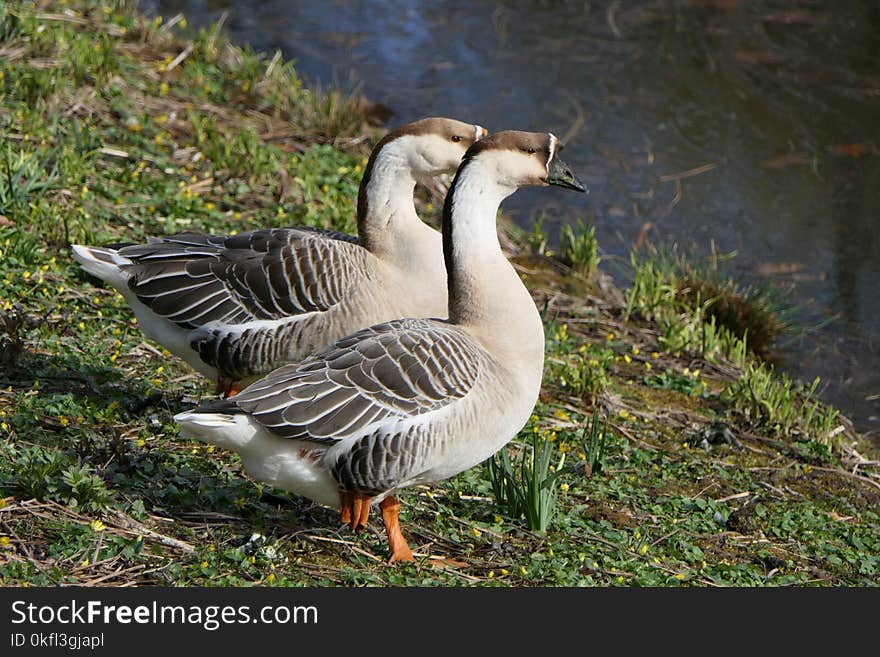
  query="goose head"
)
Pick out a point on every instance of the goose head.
point(432, 146)
point(518, 159)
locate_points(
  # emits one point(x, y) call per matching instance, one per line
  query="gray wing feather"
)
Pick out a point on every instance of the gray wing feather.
point(270, 274)
point(374, 377)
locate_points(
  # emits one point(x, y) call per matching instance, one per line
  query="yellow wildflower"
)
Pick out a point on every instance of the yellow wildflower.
point(561, 414)
point(98, 526)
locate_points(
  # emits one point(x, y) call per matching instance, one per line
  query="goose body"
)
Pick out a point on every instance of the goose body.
point(236, 307)
point(408, 401)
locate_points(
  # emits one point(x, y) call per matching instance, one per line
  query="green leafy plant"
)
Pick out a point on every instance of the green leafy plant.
point(583, 372)
point(578, 247)
point(593, 444)
point(689, 384)
point(86, 489)
point(772, 400)
point(527, 487)
point(537, 237)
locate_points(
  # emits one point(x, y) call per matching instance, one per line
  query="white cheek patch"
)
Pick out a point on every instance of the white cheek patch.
point(553, 142)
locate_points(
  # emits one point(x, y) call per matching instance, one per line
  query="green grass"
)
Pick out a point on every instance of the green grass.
point(773, 401)
point(673, 457)
point(578, 248)
point(698, 307)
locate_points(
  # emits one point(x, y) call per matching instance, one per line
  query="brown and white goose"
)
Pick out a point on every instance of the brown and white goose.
point(236, 307)
point(409, 401)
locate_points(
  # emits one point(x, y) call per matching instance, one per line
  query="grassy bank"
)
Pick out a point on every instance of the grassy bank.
point(705, 466)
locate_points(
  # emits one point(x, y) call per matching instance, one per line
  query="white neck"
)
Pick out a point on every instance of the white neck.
point(385, 201)
point(485, 292)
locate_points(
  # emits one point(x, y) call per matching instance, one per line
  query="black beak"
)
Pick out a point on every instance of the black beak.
point(560, 174)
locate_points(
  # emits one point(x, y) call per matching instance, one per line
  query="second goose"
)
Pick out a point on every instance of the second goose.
point(236, 307)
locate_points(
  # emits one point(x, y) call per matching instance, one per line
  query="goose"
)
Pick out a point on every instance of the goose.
point(409, 401)
point(235, 307)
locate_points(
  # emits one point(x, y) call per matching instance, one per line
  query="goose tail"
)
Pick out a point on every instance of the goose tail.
point(224, 428)
point(104, 263)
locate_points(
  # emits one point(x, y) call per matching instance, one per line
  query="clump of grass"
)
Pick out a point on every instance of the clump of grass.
point(537, 237)
point(653, 290)
point(742, 311)
point(697, 332)
point(527, 487)
point(666, 285)
point(771, 400)
point(505, 485)
point(578, 248)
point(593, 445)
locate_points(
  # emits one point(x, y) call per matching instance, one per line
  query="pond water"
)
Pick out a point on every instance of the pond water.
point(753, 126)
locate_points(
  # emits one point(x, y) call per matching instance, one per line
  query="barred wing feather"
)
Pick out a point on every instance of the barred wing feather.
point(193, 280)
point(379, 375)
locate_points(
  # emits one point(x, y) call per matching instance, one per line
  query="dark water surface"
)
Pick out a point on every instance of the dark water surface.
point(770, 109)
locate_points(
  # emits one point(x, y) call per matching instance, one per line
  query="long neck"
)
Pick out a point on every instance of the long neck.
point(484, 289)
point(385, 199)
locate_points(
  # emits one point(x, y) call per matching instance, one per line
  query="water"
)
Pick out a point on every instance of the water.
point(751, 125)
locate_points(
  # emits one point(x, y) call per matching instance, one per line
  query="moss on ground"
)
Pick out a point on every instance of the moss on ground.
point(114, 127)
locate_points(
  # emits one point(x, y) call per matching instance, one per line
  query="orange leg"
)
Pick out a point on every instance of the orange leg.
point(399, 549)
point(345, 504)
point(227, 386)
point(354, 509)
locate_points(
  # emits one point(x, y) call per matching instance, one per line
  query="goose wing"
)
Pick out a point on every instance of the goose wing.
point(193, 279)
point(367, 383)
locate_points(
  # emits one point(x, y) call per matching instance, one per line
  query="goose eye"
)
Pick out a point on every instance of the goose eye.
point(456, 138)
point(532, 151)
